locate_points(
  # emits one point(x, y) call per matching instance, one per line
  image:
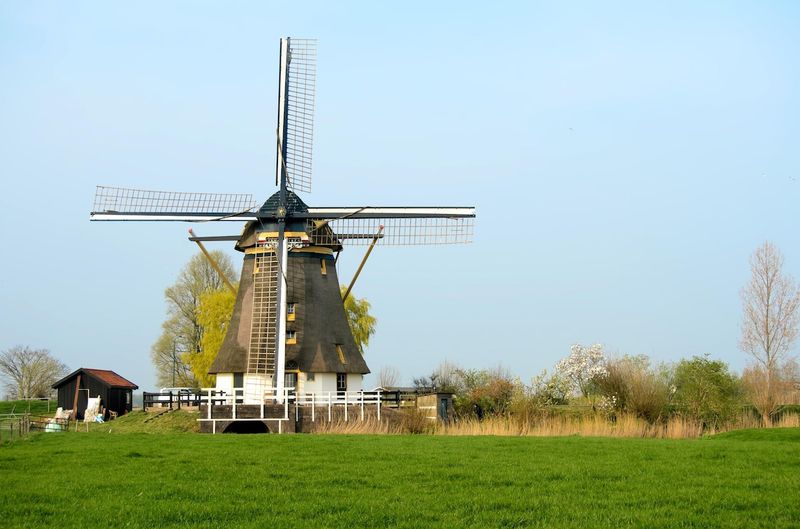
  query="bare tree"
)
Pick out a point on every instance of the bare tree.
point(782, 388)
point(388, 377)
point(771, 306)
point(30, 372)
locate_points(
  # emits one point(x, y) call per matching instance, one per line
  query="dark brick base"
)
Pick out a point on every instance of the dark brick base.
point(300, 419)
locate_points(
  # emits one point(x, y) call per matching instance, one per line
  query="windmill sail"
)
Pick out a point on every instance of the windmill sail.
point(296, 95)
point(288, 313)
point(117, 203)
point(261, 353)
point(401, 226)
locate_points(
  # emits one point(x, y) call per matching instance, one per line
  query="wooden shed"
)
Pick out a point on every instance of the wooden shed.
point(115, 391)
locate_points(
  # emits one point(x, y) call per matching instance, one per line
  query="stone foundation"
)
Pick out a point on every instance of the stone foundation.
point(300, 418)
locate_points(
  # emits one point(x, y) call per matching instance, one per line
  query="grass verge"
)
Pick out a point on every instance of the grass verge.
point(739, 479)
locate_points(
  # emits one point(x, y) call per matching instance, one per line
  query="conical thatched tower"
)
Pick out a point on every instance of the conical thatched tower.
point(321, 354)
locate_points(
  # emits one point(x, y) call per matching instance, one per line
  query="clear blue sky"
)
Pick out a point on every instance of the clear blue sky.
point(625, 160)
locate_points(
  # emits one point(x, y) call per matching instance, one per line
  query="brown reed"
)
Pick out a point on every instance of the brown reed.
point(589, 425)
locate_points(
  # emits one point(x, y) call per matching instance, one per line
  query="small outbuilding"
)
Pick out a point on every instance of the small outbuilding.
point(115, 392)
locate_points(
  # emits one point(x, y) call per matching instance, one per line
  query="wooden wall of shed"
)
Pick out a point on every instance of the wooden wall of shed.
point(433, 403)
point(66, 393)
point(119, 401)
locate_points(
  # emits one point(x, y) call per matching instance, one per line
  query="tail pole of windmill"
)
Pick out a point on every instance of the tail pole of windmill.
point(289, 323)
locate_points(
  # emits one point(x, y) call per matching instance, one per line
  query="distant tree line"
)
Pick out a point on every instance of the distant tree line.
point(699, 388)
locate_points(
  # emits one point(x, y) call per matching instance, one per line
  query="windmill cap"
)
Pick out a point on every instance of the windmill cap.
point(293, 205)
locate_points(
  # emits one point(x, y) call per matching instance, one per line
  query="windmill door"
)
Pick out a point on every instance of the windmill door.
point(290, 381)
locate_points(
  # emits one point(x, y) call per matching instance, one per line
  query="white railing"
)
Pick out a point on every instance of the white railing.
point(332, 399)
point(223, 398)
point(327, 400)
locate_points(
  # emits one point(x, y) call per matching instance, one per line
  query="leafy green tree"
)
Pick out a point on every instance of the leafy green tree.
point(181, 331)
point(362, 323)
point(706, 390)
point(214, 312)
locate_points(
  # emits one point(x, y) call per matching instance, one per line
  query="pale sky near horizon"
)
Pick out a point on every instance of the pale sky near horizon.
point(625, 160)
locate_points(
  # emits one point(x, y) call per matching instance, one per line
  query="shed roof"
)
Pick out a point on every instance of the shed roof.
point(106, 376)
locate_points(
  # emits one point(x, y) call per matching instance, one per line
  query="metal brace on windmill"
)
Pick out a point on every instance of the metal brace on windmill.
point(289, 327)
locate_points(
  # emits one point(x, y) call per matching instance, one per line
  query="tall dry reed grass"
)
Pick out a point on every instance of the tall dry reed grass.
point(556, 426)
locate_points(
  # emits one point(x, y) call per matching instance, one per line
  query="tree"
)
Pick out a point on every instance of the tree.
point(30, 372)
point(388, 377)
point(362, 324)
point(549, 389)
point(447, 377)
point(214, 312)
point(706, 390)
point(182, 332)
point(783, 383)
point(582, 367)
point(771, 312)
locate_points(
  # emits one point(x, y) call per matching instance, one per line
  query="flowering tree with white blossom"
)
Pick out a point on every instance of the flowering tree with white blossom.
point(583, 366)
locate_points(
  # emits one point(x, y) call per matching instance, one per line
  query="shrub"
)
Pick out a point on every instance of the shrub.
point(768, 393)
point(549, 390)
point(485, 392)
point(630, 384)
point(415, 421)
point(706, 391)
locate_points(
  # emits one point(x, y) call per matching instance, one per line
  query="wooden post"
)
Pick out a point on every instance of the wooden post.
point(74, 414)
point(214, 264)
point(363, 262)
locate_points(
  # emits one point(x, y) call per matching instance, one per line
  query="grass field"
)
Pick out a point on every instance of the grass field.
point(740, 479)
point(35, 407)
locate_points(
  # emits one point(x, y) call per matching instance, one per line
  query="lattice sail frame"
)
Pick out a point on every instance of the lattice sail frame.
point(120, 200)
point(301, 96)
point(414, 231)
point(262, 352)
point(263, 324)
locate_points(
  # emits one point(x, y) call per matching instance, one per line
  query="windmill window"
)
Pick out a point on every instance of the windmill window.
point(340, 352)
point(291, 337)
point(290, 311)
point(341, 381)
point(323, 267)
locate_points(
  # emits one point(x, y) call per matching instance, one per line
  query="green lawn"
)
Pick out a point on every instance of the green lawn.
point(35, 407)
point(743, 479)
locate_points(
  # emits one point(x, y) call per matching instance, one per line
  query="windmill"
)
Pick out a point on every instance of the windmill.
point(289, 326)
